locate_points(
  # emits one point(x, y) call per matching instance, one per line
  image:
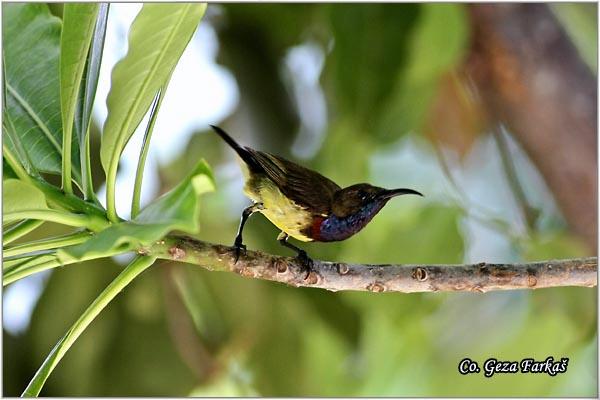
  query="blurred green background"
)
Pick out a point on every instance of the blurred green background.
point(362, 93)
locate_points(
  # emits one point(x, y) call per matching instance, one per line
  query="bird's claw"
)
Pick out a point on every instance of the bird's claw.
point(306, 262)
point(239, 248)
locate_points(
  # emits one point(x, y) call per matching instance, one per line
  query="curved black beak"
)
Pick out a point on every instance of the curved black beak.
point(388, 194)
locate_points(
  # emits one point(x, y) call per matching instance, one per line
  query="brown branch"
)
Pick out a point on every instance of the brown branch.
point(482, 277)
point(531, 78)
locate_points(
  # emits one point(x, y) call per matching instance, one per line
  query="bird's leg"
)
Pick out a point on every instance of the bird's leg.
point(304, 259)
point(238, 244)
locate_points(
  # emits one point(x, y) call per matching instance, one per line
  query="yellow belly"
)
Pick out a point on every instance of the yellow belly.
point(281, 211)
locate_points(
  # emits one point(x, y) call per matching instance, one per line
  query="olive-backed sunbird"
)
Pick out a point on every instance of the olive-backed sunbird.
point(303, 203)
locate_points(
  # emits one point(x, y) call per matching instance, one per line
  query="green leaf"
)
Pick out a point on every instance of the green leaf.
point(176, 210)
point(157, 38)
point(31, 38)
point(79, 20)
point(136, 267)
point(20, 196)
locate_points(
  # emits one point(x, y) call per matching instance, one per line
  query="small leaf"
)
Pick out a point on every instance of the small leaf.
point(79, 20)
point(157, 38)
point(20, 196)
point(176, 210)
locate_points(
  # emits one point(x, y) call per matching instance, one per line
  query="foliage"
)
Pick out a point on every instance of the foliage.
point(178, 330)
point(39, 114)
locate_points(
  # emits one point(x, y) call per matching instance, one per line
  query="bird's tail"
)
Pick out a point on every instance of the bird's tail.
point(241, 151)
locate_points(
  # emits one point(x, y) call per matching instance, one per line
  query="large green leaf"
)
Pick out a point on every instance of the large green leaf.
point(31, 38)
point(157, 39)
point(79, 20)
point(177, 210)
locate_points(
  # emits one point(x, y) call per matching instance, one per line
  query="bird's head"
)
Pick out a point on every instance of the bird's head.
point(355, 198)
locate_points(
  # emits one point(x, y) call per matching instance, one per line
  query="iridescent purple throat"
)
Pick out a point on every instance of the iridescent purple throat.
point(334, 228)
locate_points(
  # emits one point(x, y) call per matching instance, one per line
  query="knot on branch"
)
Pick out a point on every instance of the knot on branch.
point(376, 287)
point(420, 274)
point(176, 253)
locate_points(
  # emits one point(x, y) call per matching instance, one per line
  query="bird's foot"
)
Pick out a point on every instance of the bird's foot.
point(239, 248)
point(306, 262)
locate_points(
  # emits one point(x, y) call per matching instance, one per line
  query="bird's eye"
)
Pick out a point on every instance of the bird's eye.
point(362, 194)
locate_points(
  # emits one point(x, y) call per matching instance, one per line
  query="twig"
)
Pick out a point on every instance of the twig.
point(482, 277)
point(528, 213)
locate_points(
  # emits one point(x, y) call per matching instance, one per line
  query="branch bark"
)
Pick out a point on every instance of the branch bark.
point(482, 277)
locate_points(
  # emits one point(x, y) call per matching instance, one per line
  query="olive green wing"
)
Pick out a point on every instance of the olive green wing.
point(305, 187)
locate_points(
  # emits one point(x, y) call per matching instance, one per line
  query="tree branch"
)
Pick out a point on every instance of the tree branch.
point(531, 79)
point(482, 277)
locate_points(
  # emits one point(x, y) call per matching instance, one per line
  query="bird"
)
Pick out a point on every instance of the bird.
point(302, 203)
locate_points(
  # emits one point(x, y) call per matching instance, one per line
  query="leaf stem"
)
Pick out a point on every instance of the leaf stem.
point(15, 274)
point(61, 217)
point(136, 267)
point(22, 268)
point(45, 244)
point(20, 230)
point(139, 174)
point(66, 162)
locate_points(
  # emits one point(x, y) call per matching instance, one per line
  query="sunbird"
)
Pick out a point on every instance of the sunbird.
point(303, 203)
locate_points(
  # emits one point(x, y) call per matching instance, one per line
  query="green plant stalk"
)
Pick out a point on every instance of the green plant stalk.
point(111, 178)
point(16, 274)
point(88, 184)
point(46, 244)
point(38, 263)
point(81, 221)
point(135, 268)
point(66, 164)
point(20, 230)
point(139, 174)
point(19, 268)
point(527, 212)
point(25, 262)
